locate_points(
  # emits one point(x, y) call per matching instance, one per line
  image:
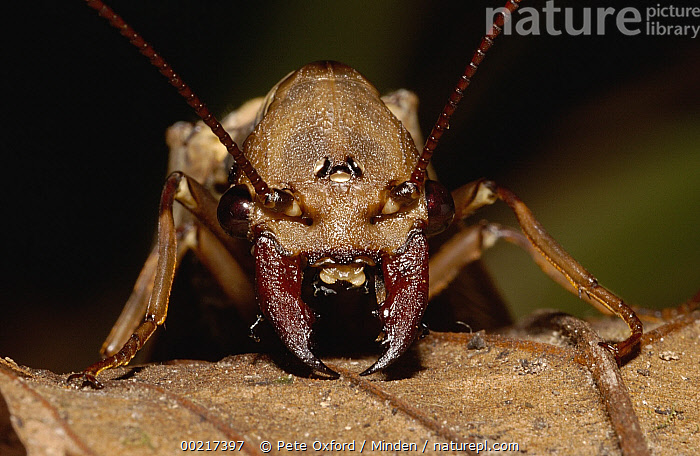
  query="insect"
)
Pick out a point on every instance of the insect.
point(328, 187)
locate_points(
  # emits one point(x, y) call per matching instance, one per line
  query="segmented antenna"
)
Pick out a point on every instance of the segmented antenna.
point(443, 121)
point(261, 188)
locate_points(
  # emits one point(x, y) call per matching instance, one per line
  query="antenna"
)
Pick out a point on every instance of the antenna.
point(443, 122)
point(261, 189)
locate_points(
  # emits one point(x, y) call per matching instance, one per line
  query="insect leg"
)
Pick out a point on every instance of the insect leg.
point(223, 266)
point(198, 200)
point(229, 272)
point(135, 307)
point(158, 303)
point(483, 192)
point(464, 247)
point(469, 244)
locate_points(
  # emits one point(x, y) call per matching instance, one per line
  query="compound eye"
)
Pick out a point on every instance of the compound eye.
point(235, 206)
point(441, 207)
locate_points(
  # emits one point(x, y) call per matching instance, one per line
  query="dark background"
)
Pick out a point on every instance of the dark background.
point(600, 135)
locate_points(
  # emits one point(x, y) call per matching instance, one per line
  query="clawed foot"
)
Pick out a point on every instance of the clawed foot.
point(621, 350)
point(84, 379)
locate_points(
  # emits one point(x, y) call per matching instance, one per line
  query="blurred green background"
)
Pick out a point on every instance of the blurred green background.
point(600, 135)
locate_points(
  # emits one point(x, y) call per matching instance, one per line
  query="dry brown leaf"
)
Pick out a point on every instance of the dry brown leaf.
point(535, 393)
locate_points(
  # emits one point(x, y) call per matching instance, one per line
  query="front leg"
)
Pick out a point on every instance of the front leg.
point(483, 192)
point(197, 200)
point(158, 302)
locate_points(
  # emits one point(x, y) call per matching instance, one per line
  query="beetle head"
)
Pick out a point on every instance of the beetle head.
point(326, 138)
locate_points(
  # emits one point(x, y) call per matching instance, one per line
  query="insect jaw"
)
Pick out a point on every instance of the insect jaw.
point(402, 292)
point(405, 285)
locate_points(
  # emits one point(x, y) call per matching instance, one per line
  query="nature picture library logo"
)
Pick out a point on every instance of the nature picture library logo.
point(661, 19)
